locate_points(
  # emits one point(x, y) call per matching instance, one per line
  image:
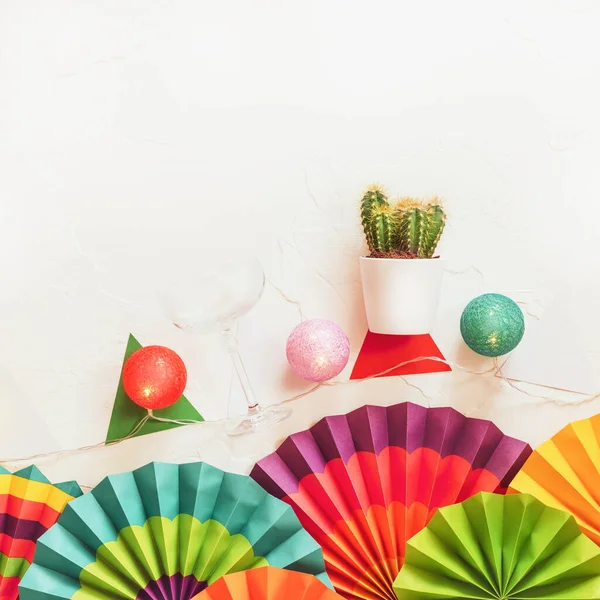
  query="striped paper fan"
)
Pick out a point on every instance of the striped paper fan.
point(29, 505)
point(166, 531)
point(564, 472)
point(364, 483)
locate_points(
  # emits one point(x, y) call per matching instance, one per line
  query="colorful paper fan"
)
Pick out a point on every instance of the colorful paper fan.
point(164, 532)
point(564, 472)
point(267, 583)
point(365, 482)
point(493, 546)
point(29, 505)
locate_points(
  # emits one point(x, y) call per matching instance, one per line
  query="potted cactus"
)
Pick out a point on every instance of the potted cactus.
point(401, 277)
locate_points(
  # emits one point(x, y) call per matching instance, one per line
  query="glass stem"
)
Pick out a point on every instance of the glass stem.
point(238, 365)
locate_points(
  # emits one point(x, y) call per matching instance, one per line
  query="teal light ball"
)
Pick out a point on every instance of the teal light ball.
point(492, 325)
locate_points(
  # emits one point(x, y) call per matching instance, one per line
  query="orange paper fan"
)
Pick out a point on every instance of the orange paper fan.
point(564, 472)
point(267, 583)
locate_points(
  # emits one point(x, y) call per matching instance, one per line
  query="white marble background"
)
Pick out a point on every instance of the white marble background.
point(136, 132)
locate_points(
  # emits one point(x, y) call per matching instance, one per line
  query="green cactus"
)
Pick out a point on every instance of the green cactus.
point(412, 224)
point(420, 226)
point(382, 229)
point(410, 227)
point(374, 198)
point(436, 220)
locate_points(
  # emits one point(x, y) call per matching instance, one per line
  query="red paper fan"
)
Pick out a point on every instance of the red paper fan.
point(364, 483)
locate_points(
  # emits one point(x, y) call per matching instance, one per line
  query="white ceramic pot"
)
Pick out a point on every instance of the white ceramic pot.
point(401, 295)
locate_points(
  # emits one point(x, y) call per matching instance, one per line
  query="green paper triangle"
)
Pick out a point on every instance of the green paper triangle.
point(126, 414)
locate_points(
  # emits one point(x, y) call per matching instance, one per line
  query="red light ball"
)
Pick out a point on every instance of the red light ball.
point(154, 377)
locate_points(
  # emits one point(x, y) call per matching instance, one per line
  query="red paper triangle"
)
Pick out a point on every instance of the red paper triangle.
point(381, 352)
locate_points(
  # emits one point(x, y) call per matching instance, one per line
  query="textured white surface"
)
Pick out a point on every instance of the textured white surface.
point(132, 132)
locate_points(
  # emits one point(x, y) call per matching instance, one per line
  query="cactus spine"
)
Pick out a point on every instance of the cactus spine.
point(373, 199)
point(410, 227)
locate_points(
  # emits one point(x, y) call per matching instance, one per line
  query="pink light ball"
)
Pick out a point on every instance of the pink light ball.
point(317, 350)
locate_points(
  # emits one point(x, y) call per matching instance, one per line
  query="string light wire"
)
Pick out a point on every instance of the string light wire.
point(496, 369)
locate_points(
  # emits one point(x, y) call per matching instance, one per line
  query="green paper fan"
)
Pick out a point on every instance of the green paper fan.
point(493, 546)
point(165, 532)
